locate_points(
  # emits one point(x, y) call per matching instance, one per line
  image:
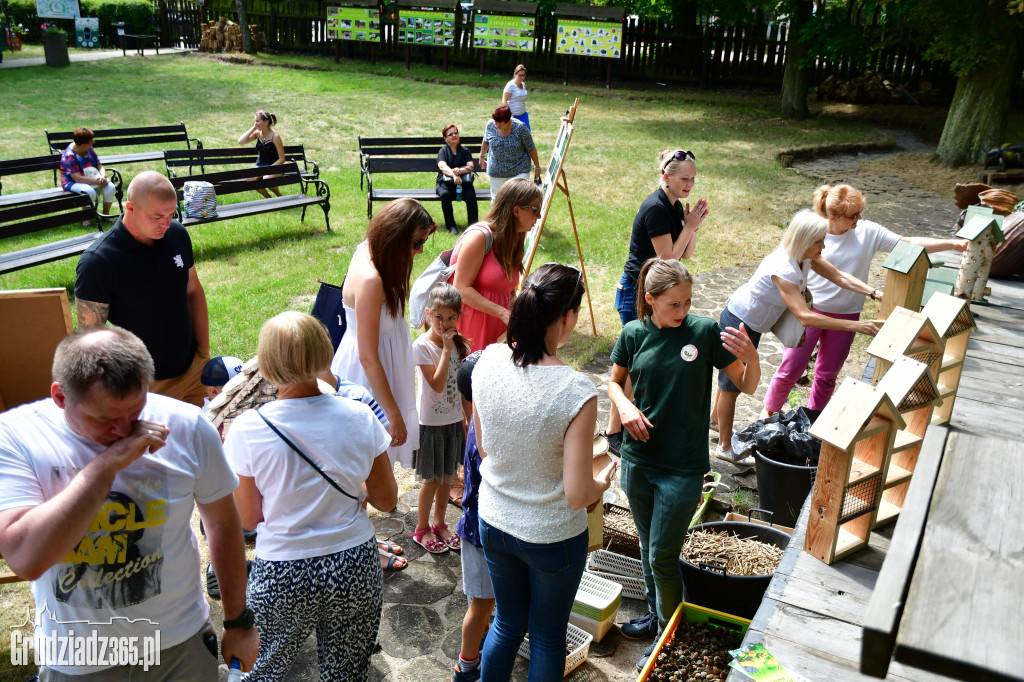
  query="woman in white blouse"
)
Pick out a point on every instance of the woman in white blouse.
point(534, 490)
point(514, 96)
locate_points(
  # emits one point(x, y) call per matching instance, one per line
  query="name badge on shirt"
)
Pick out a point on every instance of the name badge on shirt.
point(688, 353)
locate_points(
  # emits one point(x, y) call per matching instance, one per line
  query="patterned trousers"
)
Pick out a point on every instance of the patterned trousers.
point(338, 596)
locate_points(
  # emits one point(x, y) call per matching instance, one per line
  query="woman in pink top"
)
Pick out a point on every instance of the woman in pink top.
point(486, 277)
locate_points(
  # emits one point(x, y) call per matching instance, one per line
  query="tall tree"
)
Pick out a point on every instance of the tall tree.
point(795, 76)
point(243, 19)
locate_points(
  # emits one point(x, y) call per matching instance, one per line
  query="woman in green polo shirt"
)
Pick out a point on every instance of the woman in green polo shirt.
point(670, 357)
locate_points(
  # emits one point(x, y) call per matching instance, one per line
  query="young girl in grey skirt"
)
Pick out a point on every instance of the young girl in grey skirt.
point(438, 353)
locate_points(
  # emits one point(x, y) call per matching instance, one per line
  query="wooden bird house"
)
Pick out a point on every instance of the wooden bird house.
point(906, 272)
point(906, 333)
point(857, 430)
point(982, 228)
point(910, 387)
point(954, 322)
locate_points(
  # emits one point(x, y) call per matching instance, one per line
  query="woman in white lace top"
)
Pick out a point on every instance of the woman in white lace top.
point(535, 423)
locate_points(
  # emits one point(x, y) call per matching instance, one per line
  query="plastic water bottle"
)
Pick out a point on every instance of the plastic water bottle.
point(235, 671)
point(458, 192)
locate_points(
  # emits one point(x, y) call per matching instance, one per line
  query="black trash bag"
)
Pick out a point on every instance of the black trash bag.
point(782, 437)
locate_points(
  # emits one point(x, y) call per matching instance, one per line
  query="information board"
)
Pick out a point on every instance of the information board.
point(87, 32)
point(426, 27)
point(57, 9)
point(503, 32)
point(589, 38)
point(353, 23)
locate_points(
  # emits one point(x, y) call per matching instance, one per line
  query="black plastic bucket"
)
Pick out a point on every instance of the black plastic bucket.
point(712, 587)
point(782, 488)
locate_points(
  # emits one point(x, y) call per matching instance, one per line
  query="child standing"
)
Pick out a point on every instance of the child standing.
point(442, 438)
point(670, 357)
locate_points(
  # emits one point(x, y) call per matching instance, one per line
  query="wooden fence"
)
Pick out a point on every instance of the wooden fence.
point(652, 50)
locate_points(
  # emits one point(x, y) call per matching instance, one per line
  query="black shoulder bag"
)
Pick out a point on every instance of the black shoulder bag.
point(303, 456)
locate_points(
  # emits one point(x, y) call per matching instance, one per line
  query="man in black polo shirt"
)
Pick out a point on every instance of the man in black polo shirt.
point(141, 276)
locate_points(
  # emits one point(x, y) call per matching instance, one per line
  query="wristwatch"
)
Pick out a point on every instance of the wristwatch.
point(243, 622)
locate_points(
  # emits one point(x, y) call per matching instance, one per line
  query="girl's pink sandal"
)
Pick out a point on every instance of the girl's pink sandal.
point(453, 541)
point(434, 545)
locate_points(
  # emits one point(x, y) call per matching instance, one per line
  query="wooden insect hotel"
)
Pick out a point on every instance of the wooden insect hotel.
point(906, 270)
point(906, 333)
point(983, 229)
point(910, 387)
point(952, 319)
point(857, 431)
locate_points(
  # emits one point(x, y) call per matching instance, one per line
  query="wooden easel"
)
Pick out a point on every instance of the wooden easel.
point(556, 180)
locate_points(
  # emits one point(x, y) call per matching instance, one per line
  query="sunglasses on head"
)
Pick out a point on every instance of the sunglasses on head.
point(679, 155)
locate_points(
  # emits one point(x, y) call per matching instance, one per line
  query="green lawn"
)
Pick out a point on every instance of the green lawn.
point(253, 268)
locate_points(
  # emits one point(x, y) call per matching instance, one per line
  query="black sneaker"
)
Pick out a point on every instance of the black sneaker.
point(212, 587)
point(614, 442)
point(642, 661)
point(640, 628)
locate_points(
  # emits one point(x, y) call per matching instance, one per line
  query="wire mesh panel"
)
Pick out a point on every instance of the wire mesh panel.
point(921, 394)
point(963, 322)
point(860, 498)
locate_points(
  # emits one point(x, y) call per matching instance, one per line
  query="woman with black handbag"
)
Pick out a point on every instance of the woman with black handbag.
point(455, 178)
point(300, 485)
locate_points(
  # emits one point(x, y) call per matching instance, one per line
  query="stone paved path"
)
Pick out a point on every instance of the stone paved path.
point(424, 604)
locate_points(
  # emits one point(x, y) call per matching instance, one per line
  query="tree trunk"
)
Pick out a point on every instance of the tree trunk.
point(794, 77)
point(243, 22)
point(981, 103)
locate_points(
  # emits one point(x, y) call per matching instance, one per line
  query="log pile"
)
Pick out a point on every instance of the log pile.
point(225, 35)
point(874, 88)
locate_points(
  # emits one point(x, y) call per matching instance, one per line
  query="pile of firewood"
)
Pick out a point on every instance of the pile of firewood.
point(874, 88)
point(225, 35)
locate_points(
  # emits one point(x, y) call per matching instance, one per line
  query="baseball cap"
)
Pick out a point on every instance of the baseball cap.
point(220, 370)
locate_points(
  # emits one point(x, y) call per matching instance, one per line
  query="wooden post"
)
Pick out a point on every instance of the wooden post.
point(337, 51)
point(565, 69)
point(481, 62)
point(608, 77)
point(373, 53)
point(407, 57)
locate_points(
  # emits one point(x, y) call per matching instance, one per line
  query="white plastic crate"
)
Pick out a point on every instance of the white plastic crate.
point(596, 628)
point(579, 640)
point(623, 570)
point(596, 597)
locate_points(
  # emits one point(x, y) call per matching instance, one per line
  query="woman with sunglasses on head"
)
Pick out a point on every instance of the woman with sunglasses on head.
point(664, 227)
point(488, 261)
point(850, 244)
point(507, 150)
point(455, 178)
point(269, 146)
point(376, 350)
point(533, 491)
point(514, 96)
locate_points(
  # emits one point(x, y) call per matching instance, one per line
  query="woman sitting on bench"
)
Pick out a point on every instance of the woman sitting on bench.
point(81, 171)
point(269, 147)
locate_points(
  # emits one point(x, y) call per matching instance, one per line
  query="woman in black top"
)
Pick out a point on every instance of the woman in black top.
point(455, 170)
point(269, 147)
point(665, 227)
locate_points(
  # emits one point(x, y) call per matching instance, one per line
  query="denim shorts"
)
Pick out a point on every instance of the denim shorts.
point(625, 299)
point(729, 320)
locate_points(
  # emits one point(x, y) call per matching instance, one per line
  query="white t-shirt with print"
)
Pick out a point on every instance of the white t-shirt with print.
point(850, 252)
point(517, 98)
point(437, 409)
point(303, 515)
point(137, 570)
point(758, 302)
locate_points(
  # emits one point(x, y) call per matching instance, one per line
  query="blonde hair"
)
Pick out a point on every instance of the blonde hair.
point(838, 201)
point(667, 164)
point(656, 277)
point(804, 229)
point(293, 347)
point(509, 243)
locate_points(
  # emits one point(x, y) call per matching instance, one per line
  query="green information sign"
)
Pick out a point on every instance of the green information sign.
point(87, 32)
point(589, 38)
point(503, 32)
point(426, 27)
point(353, 23)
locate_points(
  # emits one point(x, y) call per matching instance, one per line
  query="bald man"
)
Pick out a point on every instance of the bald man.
point(141, 276)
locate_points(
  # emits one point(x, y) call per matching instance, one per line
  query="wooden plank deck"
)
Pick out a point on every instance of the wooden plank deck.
point(812, 615)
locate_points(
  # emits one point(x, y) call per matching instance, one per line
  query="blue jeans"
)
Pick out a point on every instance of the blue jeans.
point(534, 587)
point(625, 299)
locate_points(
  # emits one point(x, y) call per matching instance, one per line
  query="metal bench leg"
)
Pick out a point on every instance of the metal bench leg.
point(327, 217)
point(303, 218)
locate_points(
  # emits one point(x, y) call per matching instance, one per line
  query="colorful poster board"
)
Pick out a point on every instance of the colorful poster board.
point(353, 23)
point(87, 32)
point(503, 32)
point(426, 27)
point(554, 170)
point(57, 9)
point(589, 38)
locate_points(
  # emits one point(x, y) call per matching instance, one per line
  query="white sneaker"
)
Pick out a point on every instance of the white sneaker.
point(731, 457)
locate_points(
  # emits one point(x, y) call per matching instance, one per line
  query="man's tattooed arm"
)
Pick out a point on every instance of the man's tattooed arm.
point(90, 313)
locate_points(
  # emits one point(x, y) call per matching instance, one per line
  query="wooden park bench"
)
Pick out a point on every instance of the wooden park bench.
point(38, 215)
point(140, 41)
point(407, 155)
point(35, 164)
point(251, 179)
point(176, 159)
point(127, 137)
